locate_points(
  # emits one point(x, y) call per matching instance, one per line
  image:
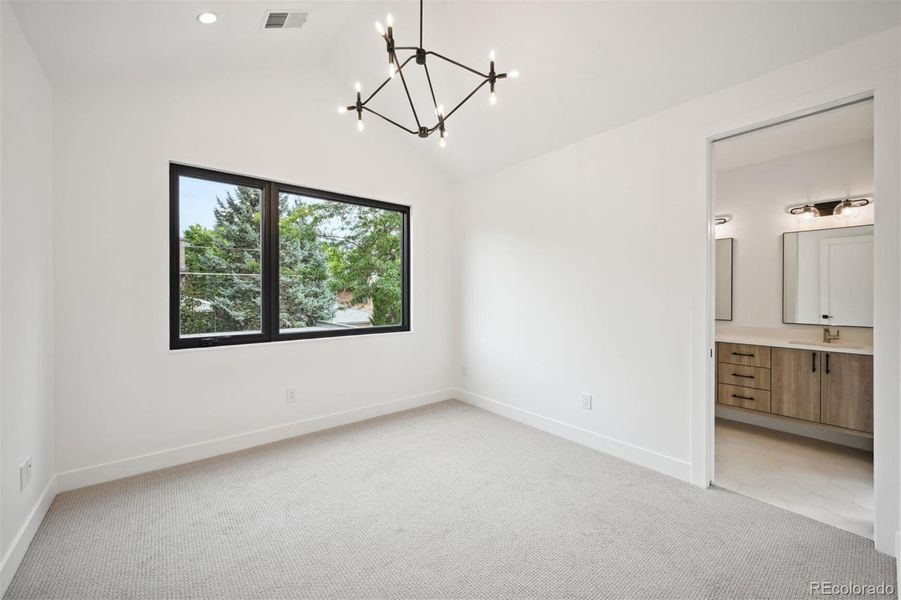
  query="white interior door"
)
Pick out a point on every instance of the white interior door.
point(846, 280)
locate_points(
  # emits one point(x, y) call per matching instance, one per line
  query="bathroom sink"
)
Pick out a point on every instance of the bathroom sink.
point(837, 346)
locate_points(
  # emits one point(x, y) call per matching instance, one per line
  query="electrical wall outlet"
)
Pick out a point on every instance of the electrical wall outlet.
point(291, 396)
point(586, 401)
point(24, 473)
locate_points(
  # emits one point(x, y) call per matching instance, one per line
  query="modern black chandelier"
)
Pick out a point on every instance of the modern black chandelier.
point(420, 54)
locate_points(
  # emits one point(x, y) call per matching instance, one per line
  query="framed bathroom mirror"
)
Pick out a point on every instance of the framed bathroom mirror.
point(827, 277)
point(724, 279)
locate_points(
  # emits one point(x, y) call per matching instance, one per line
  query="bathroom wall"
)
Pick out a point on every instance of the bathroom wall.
point(757, 197)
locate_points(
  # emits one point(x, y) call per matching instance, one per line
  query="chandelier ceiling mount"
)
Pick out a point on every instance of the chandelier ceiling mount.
point(420, 55)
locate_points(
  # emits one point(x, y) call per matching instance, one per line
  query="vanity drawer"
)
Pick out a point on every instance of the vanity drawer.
point(744, 397)
point(755, 377)
point(743, 354)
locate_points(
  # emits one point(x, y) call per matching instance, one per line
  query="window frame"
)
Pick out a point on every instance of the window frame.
point(269, 244)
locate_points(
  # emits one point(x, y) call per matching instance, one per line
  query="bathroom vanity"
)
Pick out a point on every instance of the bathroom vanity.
point(817, 383)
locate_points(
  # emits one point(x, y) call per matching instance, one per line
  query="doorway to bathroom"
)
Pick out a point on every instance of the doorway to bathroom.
point(794, 221)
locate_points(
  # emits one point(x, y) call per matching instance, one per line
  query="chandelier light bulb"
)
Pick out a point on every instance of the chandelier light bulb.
point(342, 110)
point(513, 74)
point(358, 87)
point(492, 98)
point(392, 70)
point(379, 28)
point(360, 125)
point(491, 54)
point(439, 110)
point(389, 20)
point(442, 143)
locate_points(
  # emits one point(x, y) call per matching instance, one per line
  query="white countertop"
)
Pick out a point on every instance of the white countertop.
point(799, 342)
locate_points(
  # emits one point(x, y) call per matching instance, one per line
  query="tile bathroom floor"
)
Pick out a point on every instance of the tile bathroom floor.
point(827, 482)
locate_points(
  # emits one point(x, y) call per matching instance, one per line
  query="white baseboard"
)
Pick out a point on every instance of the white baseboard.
point(70, 480)
point(668, 465)
point(16, 552)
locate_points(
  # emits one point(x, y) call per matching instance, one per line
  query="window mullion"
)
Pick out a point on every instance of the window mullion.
point(270, 264)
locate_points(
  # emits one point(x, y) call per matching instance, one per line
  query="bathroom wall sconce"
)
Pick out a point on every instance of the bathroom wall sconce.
point(847, 208)
point(721, 219)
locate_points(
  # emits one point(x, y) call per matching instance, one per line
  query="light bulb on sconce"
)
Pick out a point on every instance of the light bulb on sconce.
point(807, 213)
point(848, 208)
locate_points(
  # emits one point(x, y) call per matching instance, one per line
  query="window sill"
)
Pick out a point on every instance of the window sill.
point(281, 342)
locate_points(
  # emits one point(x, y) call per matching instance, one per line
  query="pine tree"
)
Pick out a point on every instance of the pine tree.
point(222, 290)
point(304, 295)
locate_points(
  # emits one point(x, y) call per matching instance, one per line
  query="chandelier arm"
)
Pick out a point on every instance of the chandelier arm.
point(462, 102)
point(409, 98)
point(395, 123)
point(453, 62)
point(431, 89)
point(384, 83)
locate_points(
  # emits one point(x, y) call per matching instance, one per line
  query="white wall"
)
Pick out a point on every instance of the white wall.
point(120, 392)
point(757, 197)
point(586, 270)
point(26, 315)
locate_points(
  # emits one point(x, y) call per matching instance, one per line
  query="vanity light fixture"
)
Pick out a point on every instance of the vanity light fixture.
point(846, 208)
point(420, 54)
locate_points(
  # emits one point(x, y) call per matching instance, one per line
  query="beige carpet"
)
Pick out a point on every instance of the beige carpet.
point(445, 501)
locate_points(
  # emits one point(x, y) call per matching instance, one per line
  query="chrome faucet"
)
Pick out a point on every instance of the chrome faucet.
point(829, 337)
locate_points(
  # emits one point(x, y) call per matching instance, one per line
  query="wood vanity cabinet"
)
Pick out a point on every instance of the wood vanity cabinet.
point(832, 388)
point(796, 383)
point(743, 376)
point(847, 384)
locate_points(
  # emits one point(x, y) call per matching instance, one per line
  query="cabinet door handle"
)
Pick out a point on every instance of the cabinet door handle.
point(827, 364)
point(751, 398)
point(745, 376)
point(813, 368)
point(742, 354)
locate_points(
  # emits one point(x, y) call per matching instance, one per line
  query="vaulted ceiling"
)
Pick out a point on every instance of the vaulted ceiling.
point(586, 66)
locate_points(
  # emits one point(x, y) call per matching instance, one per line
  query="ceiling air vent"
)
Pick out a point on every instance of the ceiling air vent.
point(284, 19)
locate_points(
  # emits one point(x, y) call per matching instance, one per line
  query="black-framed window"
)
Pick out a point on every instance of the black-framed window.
point(253, 261)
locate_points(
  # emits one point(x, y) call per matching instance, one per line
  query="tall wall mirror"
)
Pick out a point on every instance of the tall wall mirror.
point(724, 279)
point(827, 277)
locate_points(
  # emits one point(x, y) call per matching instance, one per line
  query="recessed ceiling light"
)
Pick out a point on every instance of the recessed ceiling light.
point(207, 18)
